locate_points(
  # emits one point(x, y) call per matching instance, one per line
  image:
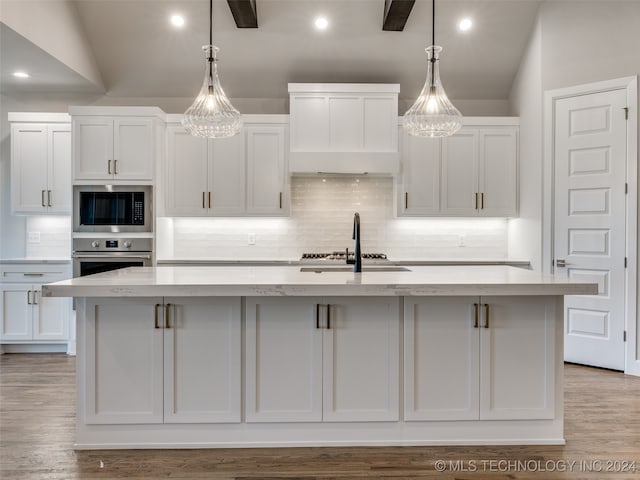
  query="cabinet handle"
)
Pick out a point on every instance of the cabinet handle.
point(35, 297)
point(49, 198)
point(486, 315)
point(482, 200)
point(167, 308)
point(476, 201)
point(203, 205)
point(115, 167)
point(28, 297)
point(476, 314)
point(27, 274)
point(406, 200)
point(329, 317)
point(280, 199)
point(109, 167)
point(42, 198)
point(209, 199)
point(155, 315)
point(317, 315)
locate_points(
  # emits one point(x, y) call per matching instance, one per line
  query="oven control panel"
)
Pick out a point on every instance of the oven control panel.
point(112, 244)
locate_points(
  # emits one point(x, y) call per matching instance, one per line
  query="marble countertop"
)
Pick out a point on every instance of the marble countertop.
point(291, 281)
point(262, 262)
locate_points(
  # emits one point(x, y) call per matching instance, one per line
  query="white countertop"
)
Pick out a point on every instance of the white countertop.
point(290, 281)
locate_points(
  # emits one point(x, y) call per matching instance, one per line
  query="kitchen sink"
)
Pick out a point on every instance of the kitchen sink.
point(378, 268)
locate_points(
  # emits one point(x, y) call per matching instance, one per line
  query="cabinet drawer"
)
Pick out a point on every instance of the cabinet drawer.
point(34, 273)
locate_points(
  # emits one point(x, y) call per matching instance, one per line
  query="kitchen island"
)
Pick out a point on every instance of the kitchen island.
point(188, 357)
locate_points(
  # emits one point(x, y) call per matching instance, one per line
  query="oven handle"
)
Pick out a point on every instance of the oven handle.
point(111, 255)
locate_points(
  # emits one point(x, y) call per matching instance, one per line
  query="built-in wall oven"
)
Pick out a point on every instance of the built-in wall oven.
point(112, 208)
point(96, 255)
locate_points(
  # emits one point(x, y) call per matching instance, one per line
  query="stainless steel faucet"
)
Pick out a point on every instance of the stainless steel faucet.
point(357, 259)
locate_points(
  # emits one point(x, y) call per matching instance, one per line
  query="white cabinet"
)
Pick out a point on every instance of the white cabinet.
point(345, 128)
point(41, 168)
point(266, 170)
point(487, 358)
point(26, 316)
point(472, 173)
point(155, 360)
point(326, 359)
point(205, 176)
point(115, 144)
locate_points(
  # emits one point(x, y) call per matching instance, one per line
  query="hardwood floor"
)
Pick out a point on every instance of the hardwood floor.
point(37, 415)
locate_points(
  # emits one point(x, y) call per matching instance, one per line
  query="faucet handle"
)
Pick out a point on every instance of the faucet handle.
point(349, 262)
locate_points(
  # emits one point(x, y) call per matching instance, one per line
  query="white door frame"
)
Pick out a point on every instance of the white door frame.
point(630, 84)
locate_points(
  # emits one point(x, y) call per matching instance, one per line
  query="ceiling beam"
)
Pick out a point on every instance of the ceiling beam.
point(244, 13)
point(396, 13)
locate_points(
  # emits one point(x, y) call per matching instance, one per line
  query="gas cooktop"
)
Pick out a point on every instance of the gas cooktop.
point(341, 257)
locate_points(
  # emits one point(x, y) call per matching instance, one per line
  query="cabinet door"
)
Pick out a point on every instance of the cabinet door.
point(93, 148)
point(50, 317)
point(361, 351)
point(498, 178)
point(460, 195)
point(202, 360)
point(133, 148)
point(441, 351)
point(59, 169)
point(283, 360)
point(266, 169)
point(16, 311)
point(187, 173)
point(227, 175)
point(123, 361)
point(420, 194)
point(28, 168)
point(517, 358)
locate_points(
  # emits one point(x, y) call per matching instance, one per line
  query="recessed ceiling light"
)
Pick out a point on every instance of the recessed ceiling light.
point(21, 74)
point(321, 23)
point(465, 24)
point(177, 21)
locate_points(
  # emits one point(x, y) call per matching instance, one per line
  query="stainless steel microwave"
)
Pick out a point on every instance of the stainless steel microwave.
point(112, 208)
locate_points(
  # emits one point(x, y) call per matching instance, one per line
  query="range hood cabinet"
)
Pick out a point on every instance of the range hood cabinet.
point(344, 128)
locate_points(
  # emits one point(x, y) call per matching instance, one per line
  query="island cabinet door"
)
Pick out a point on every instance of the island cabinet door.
point(283, 359)
point(123, 341)
point(517, 357)
point(202, 374)
point(361, 358)
point(441, 358)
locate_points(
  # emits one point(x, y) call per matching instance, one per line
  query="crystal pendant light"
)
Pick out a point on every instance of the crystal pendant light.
point(433, 114)
point(211, 114)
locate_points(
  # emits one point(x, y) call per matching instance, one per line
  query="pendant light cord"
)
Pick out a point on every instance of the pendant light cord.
point(433, 41)
point(210, 44)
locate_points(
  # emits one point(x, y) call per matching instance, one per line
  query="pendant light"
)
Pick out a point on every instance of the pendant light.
point(433, 114)
point(211, 114)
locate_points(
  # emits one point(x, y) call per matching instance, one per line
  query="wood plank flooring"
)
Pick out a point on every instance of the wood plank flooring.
point(37, 416)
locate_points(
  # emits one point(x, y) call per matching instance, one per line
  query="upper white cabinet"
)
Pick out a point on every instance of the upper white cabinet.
point(472, 173)
point(115, 144)
point(40, 163)
point(330, 359)
point(343, 128)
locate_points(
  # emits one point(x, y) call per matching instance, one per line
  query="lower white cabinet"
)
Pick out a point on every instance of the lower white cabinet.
point(487, 358)
point(25, 316)
point(155, 360)
point(331, 359)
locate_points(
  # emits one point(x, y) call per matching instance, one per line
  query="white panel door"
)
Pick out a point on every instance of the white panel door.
point(309, 121)
point(93, 148)
point(590, 171)
point(50, 317)
point(521, 328)
point(59, 169)
point(124, 360)
point(380, 124)
point(441, 353)
point(346, 124)
point(202, 360)
point(459, 188)
point(283, 359)
point(497, 172)
point(266, 168)
point(361, 351)
point(16, 312)
point(133, 148)
point(227, 175)
point(420, 176)
point(29, 168)
point(187, 163)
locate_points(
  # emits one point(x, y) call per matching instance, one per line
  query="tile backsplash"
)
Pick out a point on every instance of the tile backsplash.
point(321, 220)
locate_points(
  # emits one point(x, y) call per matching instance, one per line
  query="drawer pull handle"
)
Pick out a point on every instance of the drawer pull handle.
point(33, 274)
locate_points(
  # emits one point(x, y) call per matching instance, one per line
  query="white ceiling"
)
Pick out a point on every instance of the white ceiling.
point(140, 55)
